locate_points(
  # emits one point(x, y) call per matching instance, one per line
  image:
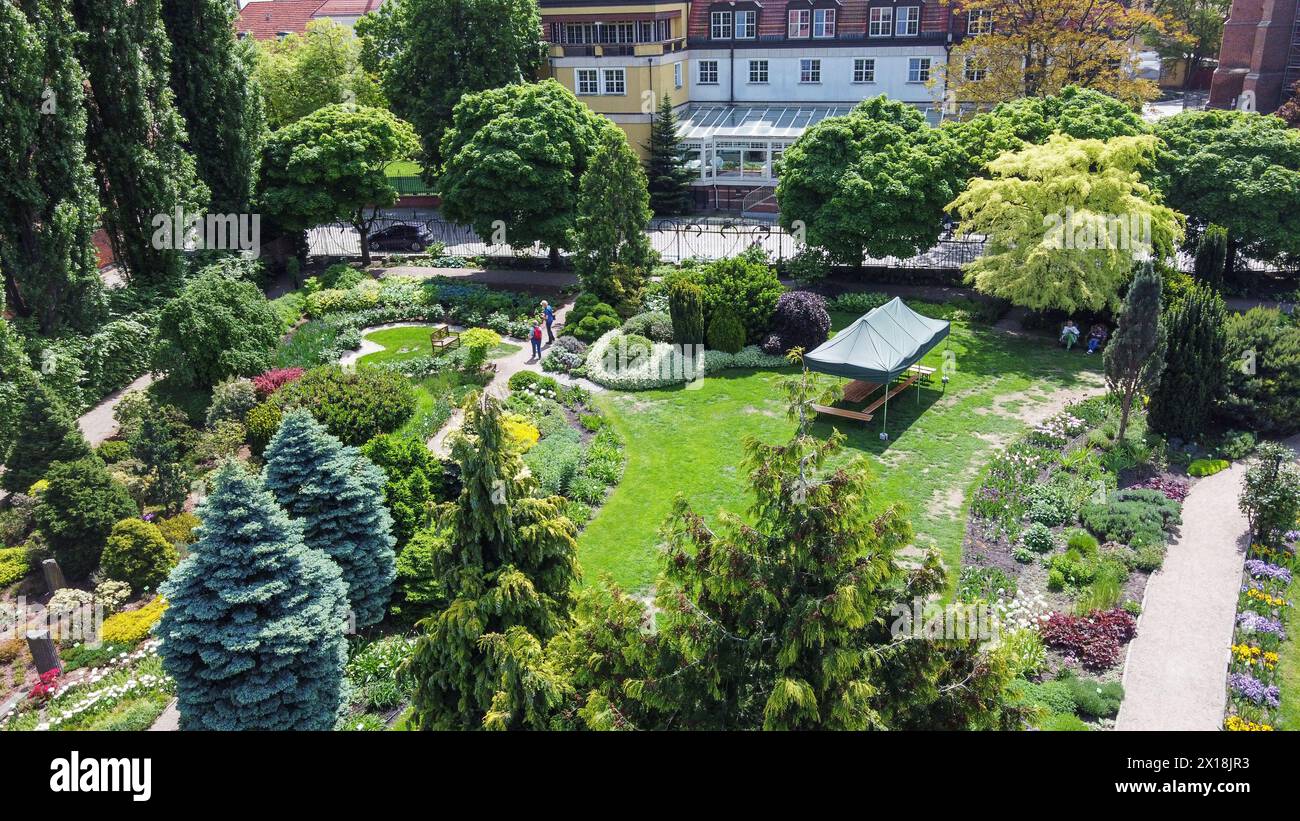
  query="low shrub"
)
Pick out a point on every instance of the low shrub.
point(113, 595)
point(1064, 723)
point(1083, 542)
point(799, 321)
point(1038, 538)
point(100, 654)
point(1093, 640)
point(1149, 557)
point(14, 565)
point(1237, 444)
point(589, 319)
point(656, 326)
point(1134, 517)
point(858, 302)
point(985, 584)
point(1092, 698)
point(725, 333)
point(113, 451)
point(271, 381)
point(1206, 467)
point(78, 512)
point(133, 626)
point(137, 554)
point(353, 406)
point(554, 464)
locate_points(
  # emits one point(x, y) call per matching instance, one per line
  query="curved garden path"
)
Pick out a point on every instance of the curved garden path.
point(1175, 674)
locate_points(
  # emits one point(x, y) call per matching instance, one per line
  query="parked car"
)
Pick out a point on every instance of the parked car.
point(401, 238)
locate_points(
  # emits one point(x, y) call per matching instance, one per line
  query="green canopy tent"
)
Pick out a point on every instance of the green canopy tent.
point(879, 346)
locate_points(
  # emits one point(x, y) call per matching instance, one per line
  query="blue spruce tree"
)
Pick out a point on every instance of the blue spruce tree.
point(338, 495)
point(254, 629)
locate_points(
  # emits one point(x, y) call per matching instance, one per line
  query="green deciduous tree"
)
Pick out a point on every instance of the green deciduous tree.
point(1197, 338)
point(301, 73)
point(669, 179)
point(1270, 494)
point(48, 205)
point(45, 433)
point(329, 166)
point(219, 325)
point(874, 181)
point(135, 136)
point(1236, 169)
point(1135, 356)
point(507, 570)
point(337, 495)
point(1065, 222)
point(1197, 35)
point(78, 510)
point(513, 160)
point(782, 619)
point(211, 78)
point(431, 53)
point(253, 631)
point(612, 254)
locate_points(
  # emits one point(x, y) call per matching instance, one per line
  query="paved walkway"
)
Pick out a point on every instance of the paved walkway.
point(98, 424)
point(1175, 673)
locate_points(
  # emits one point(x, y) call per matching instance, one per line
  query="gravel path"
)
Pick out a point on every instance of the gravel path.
point(97, 424)
point(1175, 674)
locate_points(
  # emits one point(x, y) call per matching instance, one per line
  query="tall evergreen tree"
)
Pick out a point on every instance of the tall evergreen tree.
point(669, 179)
point(210, 66)
point(157, 447)
point(48, 207)
point(782, 619)
point(1135, 357)
point(612, 251)
point(1211, 258)
point(254, 629)
point(1197, 340)
point(508, 568)
point(48, 434)
point(431, 53)
point(135, 135)
point(15, 378)
point(337, 495)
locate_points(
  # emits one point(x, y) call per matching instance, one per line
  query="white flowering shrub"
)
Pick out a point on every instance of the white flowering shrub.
point(613, 364)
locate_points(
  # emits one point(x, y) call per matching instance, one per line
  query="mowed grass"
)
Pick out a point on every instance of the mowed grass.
point(411, 341)
point(1289, 665)
point(692, 442)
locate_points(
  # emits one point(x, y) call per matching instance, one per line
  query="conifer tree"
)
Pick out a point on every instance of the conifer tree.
point(782, 619)
point(48, 434)
point(612, 252)
point(48, 206)
point(1211, 258)
point(1135, 357)
point(507, 568)
point(15, 378)
point(669, 178)
point(254, 629)
point(337, 495)
point(209, 65)
point(156, 446)
point(1195, 327)
point(135, 135)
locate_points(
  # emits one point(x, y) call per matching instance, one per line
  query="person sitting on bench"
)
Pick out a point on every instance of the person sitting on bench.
point(1096, 337)
point(1069, 334)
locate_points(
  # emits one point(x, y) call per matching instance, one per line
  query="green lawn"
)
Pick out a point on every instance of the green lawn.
point(402, 168)
point(690, 441)
point(1289, 665)
point(411, 341)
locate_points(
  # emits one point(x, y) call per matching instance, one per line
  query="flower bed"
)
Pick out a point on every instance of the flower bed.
point(1254, 684)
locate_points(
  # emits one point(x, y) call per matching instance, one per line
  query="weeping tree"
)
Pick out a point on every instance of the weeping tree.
point(48, 207)
point(254, 629)
point(135, 135)
point(337, 495)
point(508, 568)
point(209, 64)
point(1135, 357)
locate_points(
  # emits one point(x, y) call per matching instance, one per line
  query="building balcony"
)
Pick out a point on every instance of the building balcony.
point(618, 49)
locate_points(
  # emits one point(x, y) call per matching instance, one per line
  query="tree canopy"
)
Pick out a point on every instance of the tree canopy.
point(1066, 221)
point(873, 181)
point(301, 73)
point(613, 254)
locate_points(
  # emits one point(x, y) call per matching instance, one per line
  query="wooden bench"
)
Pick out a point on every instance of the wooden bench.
point(847, 414)
point(858, 390)
point(441, 339)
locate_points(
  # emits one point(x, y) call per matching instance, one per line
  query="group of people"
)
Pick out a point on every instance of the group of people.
point(548, 319)
point(1096, 336)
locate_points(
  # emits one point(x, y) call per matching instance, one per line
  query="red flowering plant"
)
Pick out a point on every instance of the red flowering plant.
point(45, 688)
point(271, 381)
point(1093, 640)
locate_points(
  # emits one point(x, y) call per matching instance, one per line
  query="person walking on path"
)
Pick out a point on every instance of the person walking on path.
point(549, 314)
point(536, 338)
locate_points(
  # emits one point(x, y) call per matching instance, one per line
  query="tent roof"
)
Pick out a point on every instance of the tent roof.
point(878, 345)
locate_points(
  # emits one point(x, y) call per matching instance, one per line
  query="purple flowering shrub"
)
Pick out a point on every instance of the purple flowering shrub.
point(800, 321)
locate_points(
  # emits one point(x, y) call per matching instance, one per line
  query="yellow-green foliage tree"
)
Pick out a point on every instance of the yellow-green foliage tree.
point(1066, 221)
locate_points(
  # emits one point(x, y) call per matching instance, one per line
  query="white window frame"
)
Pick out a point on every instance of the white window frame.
point(979, 21)
point(864, 69)
point(918, 69)
point(758, 72)
point(826, 24)
point(606, 74)
point(720, 25)
point(677, 74)
point(908, 21)
point(810, 71)
point(586, 81)
point(799, 23)
point(746, 24)
point(883, 23)
point(971, 71)
point(700, 75)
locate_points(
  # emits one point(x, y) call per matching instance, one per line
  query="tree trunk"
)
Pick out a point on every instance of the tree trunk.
point(14, 297)
point(1125, 406)
point(363, 233)
point(555, 257)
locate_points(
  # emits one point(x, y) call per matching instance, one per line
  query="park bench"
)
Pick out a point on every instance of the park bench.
point(442, 338)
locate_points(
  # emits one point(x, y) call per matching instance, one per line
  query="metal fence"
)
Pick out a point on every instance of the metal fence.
point(675, 240)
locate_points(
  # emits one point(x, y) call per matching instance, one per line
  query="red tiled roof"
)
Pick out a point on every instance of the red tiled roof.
point(347, 8)
point(265, 19)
